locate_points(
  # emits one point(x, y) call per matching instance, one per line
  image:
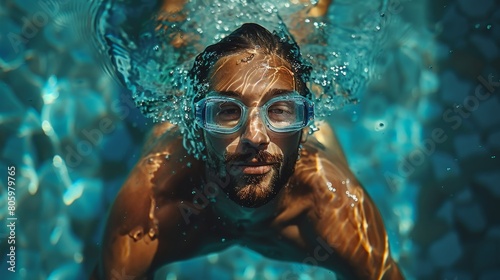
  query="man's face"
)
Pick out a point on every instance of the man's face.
point(258, 161)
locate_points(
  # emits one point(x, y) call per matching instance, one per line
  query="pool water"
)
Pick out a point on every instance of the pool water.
point(410, 87)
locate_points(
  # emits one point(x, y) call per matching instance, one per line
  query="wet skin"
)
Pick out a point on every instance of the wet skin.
point(174, 207)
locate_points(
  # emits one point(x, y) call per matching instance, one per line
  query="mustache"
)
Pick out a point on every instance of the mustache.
point(261, 156)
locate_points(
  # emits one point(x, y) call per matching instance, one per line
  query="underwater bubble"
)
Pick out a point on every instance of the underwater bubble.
point(380, 125)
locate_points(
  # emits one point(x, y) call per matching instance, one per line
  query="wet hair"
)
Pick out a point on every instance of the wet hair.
point(251, 36)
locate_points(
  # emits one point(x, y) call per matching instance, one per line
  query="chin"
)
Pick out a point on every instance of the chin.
point(255, 190)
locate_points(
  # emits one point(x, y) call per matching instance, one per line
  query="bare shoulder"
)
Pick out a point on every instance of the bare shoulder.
point(143, 230)
point(342, 213)
point(152, 176)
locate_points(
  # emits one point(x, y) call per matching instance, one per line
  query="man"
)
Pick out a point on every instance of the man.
point(264, 184)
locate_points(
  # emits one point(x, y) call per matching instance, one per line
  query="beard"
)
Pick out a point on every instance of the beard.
point(254, 190)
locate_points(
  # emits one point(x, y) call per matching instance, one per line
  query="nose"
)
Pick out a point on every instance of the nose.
point(254, 132)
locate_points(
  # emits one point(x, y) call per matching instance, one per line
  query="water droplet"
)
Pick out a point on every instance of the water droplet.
point(379, 126)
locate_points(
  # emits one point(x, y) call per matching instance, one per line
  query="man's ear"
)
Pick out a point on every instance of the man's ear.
point(305, 134)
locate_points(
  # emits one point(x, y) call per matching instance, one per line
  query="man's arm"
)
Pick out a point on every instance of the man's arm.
point(144, 228)
point(130, 239)
point(344, 216)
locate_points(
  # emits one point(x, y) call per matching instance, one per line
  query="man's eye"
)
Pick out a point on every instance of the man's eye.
point(279, 110)
point(229, 113)
point(276, 111)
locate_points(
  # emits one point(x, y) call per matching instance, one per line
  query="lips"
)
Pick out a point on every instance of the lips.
point(254, 168)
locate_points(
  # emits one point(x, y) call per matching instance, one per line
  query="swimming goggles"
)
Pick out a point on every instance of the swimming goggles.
point(226, 115)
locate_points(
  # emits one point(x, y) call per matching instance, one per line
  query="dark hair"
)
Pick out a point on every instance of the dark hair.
point(251, 36)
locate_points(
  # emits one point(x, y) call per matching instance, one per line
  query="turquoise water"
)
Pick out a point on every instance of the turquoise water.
point(409, 86)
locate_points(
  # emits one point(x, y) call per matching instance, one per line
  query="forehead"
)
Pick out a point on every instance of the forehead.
point(251, 73)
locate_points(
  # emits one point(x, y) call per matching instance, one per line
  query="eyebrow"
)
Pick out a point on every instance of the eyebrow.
point(271, 93)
